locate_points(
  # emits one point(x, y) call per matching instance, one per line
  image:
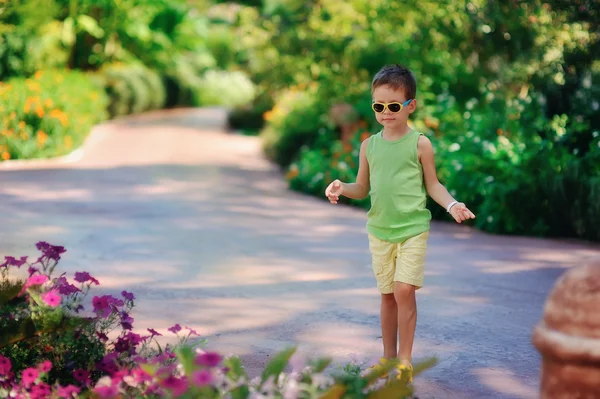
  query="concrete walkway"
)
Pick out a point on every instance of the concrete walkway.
point(204, 231)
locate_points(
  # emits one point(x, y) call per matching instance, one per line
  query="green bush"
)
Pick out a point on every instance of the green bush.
point(294, 122)
point(229, 89)
point(132, 88)
point(48, 115)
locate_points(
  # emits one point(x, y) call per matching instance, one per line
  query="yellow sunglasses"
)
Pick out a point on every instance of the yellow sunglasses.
point(392, 107)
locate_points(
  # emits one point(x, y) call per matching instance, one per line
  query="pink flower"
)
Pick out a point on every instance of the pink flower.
point(141, 376)
point(40, 391)
point(202, 378)
point(45, 366)
point(175, 329)
point(70, 391)
point(209, 359)
point(29, 376)
point(107, 392)
point(176, 385)
point(81, 376)
point(37, 279)
point(5, 365)
point(51, 298)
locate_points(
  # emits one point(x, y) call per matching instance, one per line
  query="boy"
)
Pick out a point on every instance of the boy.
point(396, 167)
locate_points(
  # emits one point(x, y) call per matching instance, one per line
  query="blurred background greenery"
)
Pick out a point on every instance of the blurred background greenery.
point(508, 90)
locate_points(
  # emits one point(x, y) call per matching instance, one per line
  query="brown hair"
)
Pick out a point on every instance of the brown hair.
point(398, 77)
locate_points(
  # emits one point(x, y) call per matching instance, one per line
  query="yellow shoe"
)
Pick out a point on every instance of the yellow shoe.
point(378, 367)
point(405, 372)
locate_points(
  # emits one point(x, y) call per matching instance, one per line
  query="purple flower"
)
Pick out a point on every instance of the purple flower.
point(70, 391)
point(154, 332)
point(202, 378)
point(82, 277)
point(176, 385)
point(126, 321)
point(12, 261)
point(103, 305)
point(175, 329)
point(51, 298)
point(128, 295)
point(81, 376)
point(29, 376)
point(209, 359)
point(32, 270)
point(108, 364)
point(45, 366)
point(102, 337)
point(50, 251)
point(192, 332)
point(65, 288)
point(5, 365)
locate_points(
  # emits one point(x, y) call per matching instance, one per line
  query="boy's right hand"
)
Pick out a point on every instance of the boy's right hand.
point(334, 190)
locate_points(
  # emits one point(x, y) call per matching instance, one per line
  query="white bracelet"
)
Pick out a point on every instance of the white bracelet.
point(450, 205)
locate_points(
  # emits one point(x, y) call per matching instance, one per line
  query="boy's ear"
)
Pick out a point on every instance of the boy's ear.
point(412, 106)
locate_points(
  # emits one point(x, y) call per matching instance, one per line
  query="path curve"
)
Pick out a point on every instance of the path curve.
point(203, 230)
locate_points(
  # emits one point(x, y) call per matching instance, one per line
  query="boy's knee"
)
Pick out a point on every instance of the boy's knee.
point(388, 298)
point(403, 290)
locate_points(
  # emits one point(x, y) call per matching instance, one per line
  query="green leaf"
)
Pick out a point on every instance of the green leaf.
point(277, 364)
point(321, 364)
point(236, 372)
point(90, 25)
point(186, 358)
point(395, 389)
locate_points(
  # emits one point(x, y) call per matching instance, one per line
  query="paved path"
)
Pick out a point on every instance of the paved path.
point(202, 229)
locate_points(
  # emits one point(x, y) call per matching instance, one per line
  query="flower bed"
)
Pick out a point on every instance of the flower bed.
point(54, 343)
point(49, 114)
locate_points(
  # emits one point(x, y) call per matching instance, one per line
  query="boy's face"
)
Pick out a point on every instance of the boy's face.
point(386, 94)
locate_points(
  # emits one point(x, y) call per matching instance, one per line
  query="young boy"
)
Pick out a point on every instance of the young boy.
point(396, 167)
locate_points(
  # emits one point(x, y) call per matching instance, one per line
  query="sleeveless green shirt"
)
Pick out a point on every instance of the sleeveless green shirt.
point(398, 194)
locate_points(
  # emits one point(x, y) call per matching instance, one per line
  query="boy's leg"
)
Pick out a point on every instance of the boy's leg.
point(409, 278)
point(389, 325)
point(383, 255)
point(407, 319)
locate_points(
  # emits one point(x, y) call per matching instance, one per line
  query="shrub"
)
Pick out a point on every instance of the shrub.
point(229, 89)
point(132, 88)
point(48, 115)
point(293, 122)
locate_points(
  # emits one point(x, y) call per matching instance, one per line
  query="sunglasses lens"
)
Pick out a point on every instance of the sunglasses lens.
point(394, 107)
point(378, 107)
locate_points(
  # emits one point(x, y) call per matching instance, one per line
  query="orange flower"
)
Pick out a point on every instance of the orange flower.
point(68, 142)
point(22, 125)
point(364, 136)
point(42, 137)
point(48, 103)
point(39, 111)
point(5, 156)
point(38, 74)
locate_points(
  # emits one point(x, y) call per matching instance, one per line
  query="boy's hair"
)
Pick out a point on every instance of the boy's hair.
point(398, 77)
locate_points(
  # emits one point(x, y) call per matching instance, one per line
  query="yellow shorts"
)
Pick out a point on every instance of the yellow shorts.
point(403, 262)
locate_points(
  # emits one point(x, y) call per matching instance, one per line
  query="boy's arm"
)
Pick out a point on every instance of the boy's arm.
point(435, 189)
point(358, 190)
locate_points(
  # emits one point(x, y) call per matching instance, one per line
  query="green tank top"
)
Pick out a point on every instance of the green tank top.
point(398, 195)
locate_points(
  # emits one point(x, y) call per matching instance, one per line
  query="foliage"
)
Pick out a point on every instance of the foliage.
point(48, 114)
point(49, 346)
point(507, 91)
point(132, 88)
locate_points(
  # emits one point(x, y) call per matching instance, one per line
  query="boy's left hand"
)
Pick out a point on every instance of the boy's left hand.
point(460, 212)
